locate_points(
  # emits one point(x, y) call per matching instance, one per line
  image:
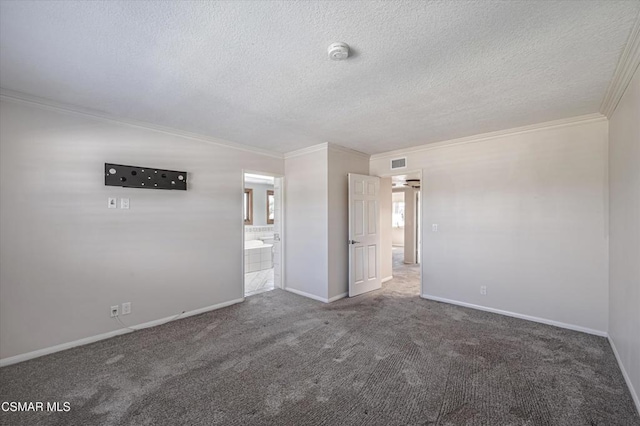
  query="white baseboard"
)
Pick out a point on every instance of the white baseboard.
point(338, 297)
point(627, 379)
point(389, 278)
point(516, 315)
point(305, 294)
point(57, 348)
point(314, 297)
point(64, 346)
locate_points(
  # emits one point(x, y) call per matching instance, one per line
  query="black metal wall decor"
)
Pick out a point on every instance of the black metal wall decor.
point(143, 177)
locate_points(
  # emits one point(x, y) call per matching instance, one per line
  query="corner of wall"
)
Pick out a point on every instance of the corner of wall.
point(341, 162)
point(306, 222)
point(624, 233)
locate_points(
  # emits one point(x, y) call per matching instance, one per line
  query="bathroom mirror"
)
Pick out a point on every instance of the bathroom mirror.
point(259, 203)
point(270, 207)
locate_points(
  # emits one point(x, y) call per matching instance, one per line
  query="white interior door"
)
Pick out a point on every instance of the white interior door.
point(277, 232)
point(364, 234)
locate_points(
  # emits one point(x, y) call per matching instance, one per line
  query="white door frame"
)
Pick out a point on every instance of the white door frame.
point(422, 225)
point(282, 231)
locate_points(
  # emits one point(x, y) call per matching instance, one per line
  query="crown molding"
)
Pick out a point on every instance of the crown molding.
point(23, 98)
point(325, 146)
point(626, 68)
point(572, 121)
point(307, 150)
point(345, 150)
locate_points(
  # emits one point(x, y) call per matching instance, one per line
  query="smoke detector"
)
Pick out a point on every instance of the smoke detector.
point(338, 51)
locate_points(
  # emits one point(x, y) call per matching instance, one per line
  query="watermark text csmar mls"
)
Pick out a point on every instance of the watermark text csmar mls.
point(14, 406)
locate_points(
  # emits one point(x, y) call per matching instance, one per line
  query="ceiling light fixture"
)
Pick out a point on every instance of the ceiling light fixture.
point(413, 183)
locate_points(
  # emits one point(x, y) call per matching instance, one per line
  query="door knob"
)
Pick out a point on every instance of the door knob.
point(354, 242)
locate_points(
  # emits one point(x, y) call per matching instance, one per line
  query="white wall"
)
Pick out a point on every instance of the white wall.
point(624, 233)
point(317, 221)
point(405, 236)
point(410, 226)
point(397, 232)
point(306, 223)
point(66, 258)
point(259, 202)
point(523, 213)
point(341, 162)
point(386, 245)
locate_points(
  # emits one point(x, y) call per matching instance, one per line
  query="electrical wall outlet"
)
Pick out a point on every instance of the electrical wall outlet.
point(114, 311)
point(126, 308)
point(434, 227)
point(124, 203)
point(112, 203)
point(483, 290)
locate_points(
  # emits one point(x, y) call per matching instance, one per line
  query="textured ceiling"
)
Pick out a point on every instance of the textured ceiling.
point(257, 72)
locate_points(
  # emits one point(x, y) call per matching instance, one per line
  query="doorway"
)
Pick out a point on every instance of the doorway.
point(262, 214)
point(405, 228)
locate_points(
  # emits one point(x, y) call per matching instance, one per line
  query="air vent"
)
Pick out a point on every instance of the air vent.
point(398, 163)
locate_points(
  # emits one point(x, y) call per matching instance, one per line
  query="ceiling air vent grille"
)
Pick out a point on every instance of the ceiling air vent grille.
point(398, 163)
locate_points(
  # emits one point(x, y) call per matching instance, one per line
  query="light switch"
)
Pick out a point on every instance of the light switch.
point(124, 203)
point(112, 203)
point(434, 227)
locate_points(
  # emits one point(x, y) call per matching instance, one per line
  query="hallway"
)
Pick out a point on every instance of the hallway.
point(408, 275)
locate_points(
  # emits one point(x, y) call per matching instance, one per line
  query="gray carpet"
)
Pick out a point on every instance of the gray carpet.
point(385, 358)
